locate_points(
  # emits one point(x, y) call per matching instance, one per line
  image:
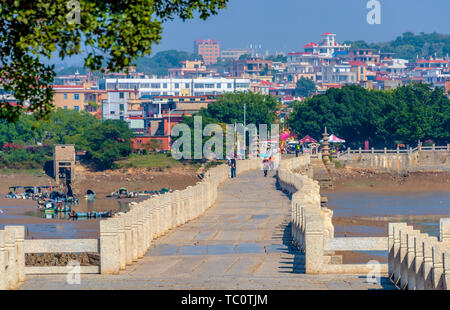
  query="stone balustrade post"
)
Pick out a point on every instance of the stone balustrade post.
point(4, 285)
point(127, 220)
point(396, 259)
point(122, 240)
point(19, 234)
point(428, 243)
point(10, 246)
point(134, 234)
point(109, 247)
point(149, 221)
point(446, 276)
point(314, 249)
point(403, 256)
point(444, 230)
point(140, 231)
point(418, 261)
point(410, 259)
point(437, 270)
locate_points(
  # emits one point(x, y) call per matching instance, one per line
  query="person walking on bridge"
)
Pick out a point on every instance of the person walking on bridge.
point(266, 164)
point(233, 167)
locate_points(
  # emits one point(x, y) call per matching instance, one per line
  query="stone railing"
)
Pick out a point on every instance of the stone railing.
point(418, 261)
point(124, 238)
point(312, 227)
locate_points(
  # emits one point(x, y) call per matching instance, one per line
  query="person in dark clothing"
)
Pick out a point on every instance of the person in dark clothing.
point(266, 164)
point(297, 150)
point(233, 167)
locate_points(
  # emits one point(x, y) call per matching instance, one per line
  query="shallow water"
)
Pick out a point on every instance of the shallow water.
point(417, 209)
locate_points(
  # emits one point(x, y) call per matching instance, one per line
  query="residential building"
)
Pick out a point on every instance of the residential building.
point(84, 97)
point(366, 55)
point(191, 69)
point(327, 46)
point(208, 49)
point(250, 67)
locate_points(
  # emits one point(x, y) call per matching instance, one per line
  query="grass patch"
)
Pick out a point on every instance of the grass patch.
point(149, 161)
point(28, 171)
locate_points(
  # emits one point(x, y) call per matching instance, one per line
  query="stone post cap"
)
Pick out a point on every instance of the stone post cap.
point(10, 238)
point(109, 226)
point(2, 240)
point(19, 231)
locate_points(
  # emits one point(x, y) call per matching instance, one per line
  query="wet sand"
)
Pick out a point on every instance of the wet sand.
point(364, 202)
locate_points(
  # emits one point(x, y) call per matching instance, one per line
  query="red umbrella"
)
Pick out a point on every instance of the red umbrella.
point(307, 139)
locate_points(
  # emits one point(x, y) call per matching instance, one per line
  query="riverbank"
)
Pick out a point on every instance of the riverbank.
point(25, 212)
point(364, 202)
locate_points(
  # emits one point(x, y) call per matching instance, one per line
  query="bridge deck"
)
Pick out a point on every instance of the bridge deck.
point(240, 243)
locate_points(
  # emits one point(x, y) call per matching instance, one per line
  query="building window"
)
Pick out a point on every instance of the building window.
point(121, 107)
point(76, 108)
point(113, 112)
point(218, 85)
point(155, 85)
point(65, 107)
point(165, 85)
point(186, 85)
point(76, 96)
point(229, 85)
point(177, 85)
point(65, 96)
point(121, 95)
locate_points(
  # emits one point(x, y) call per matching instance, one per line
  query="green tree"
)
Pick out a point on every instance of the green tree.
point(109, 32)
point(385, 118)
point(305, 87)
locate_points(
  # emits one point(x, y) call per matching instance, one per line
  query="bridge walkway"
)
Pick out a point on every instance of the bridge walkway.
point(242, 242)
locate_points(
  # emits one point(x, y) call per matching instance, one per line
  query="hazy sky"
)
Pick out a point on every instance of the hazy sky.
point(286, 25)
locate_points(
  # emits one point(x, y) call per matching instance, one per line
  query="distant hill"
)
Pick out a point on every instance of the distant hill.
point(409, 45)
point(160, 62)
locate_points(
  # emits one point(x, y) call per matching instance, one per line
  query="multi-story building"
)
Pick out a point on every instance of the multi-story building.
point(366, 55)
point(338, 74)
point(84, 97)
point(208, 49)
point(327, 46)
point(250, 67)
point(191, 69)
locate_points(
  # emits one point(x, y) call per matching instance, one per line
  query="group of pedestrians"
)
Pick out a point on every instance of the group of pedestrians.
point(268, 164)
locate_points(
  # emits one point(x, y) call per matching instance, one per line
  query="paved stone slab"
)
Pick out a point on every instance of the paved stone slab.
point(242, 242)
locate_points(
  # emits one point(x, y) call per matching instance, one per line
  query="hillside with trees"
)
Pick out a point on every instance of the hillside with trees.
point(410, 46)
point(162, 61)
point(385, 118)
point(29, 144)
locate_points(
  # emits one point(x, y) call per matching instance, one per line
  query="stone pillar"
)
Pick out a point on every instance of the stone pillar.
point(403, 256)
point(444, 233)
point(19, 233)
point(446, 271)
point(122, 241)
point(10, 246)
point(438, 266)
point(4, 285)
point(418, 261)
point(140, 231)
point(410, 258)
point(428, 262)
point(396, 259)
point(128, 238)
point(314, 250)
point(109, 247)
point(134, 234)
point(147, 229)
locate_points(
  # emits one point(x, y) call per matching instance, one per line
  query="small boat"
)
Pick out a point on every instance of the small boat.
point(90, 194)
point(91, 214)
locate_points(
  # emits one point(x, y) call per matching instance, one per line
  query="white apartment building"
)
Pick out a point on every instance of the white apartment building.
point(119, 91)
point(338, 74)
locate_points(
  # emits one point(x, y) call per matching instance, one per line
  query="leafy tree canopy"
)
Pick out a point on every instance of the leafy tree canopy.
point(114, 32)
point(305, 87)
point(385, 118)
